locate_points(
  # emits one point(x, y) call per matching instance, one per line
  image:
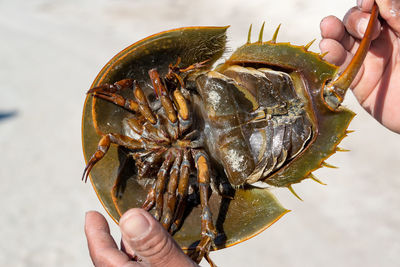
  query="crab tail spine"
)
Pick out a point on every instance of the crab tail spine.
point(334, 91)
point(260, 36)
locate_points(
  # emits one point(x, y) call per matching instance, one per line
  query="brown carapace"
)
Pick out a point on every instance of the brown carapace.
point(190, 141)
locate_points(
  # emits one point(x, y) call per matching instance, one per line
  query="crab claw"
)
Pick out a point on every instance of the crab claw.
point(112, 88)
point(101, 88)
point(195, 66)
point(335, 91)
point(103, 146)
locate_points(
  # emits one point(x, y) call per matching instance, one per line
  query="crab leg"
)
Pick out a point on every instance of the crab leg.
point(147, 164)
point(150, 161)
point(144, 107)
point(135, 124)
point(150, 199)
point(181, 104)
point(174, 70)
point(208, 231)
point(146, 132)
point(173, 73)
point(104, 145)
point(183, 186)
point(162, 93)
point(166, 103)
point(170, 197)
point(149, 133)
point(160, 183)
point(118, 100)
point(194, 66)
point(182, 107)
point(112, 88)
point(108, 93)
point(150, 130)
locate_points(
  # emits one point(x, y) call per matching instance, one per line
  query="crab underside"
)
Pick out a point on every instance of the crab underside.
point(186, 143)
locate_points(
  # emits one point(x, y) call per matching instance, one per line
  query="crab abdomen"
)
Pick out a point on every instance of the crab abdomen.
point(257, 119)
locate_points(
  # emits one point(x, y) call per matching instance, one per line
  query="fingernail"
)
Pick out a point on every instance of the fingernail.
point(362, 26)
point(135, 226)
point(359, 3)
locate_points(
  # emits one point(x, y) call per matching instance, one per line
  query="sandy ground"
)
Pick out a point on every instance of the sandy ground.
point(50, 51)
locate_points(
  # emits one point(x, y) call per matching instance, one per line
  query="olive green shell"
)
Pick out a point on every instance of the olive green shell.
point(252, 209)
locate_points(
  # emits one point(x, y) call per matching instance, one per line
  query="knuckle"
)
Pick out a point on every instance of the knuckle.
point(157, 247)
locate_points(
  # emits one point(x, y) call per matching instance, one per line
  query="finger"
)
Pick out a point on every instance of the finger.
point(356, 23)
point(333, 28)
point(336, 52)
point(151, 243)
point(365, 5)
point(102, 248)
point(390, 11)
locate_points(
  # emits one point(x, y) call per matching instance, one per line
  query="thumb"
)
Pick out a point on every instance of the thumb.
point(145, 236)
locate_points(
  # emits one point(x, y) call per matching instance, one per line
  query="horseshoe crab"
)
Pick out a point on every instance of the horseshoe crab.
point(190, 142)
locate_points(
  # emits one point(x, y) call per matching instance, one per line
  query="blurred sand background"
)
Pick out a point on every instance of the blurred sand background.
point(50, 52)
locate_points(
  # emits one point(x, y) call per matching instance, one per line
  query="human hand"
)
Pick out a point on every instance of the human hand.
point(142, 236)
point(377, 85)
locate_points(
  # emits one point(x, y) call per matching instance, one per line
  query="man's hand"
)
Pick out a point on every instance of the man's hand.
point(377, 85)
point(142, 237)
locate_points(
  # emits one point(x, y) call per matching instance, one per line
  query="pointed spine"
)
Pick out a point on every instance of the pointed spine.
point(324, 164)
point(260, 36)
point(323, 54)
point(293, 192)
point(307, 46)
point(249, 34)
point(339, 149)
point(312, 176)
point(273, 40)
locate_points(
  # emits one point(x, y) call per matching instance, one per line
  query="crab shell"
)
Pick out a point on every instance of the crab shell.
point(252, 209)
